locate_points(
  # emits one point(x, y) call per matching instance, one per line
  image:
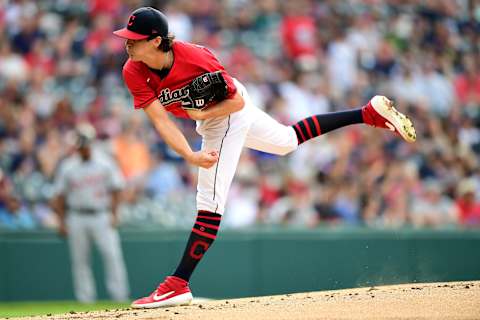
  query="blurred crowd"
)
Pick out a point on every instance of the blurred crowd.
point(61, 66)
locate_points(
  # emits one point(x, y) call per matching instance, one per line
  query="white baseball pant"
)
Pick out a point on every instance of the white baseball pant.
point(96, 228)
point(250, 127)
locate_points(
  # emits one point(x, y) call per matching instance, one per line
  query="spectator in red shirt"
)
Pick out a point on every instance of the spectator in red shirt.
point(468, 205)
point(467, 84)
point(298, 32)
point(110, 7)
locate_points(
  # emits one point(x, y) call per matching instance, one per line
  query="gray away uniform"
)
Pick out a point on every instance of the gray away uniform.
point(87, 188)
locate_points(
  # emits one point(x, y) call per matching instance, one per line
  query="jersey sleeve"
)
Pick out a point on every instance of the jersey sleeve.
point(61, 180)
point(142, 94)
point(213, 64)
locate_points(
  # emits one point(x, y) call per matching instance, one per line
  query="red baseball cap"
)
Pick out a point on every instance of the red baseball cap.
point(144, 23)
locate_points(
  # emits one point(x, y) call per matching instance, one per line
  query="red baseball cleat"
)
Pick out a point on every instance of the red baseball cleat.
point(379, 112)
point(173, 291)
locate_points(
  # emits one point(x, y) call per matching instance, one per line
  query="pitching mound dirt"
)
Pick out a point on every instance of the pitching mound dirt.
point(452, 300)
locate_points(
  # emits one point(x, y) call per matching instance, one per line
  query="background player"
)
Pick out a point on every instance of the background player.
point(87, 186)
point(164, 76)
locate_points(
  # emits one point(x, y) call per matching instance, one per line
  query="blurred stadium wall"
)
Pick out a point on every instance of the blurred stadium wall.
point(34, 266)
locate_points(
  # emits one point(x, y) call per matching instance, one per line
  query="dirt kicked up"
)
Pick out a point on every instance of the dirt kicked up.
point(451, 300)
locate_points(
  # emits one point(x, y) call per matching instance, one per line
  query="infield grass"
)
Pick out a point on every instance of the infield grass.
point(21, 309)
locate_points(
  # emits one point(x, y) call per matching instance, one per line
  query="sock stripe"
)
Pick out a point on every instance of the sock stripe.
point(302, 127)
point(206, 225)
point(317, 125)
point(311, 124)
point(307, 126)
point(210, 222)
point(204, 234)
point(209, 218)
point(210, 231)
point(299, 131)
point(208, 213)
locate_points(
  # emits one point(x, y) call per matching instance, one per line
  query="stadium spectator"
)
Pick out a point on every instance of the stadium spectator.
point(467, 203)
point(433, 209)
point(15, 216)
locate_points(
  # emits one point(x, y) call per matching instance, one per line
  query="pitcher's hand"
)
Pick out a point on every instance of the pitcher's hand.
point(203, 158)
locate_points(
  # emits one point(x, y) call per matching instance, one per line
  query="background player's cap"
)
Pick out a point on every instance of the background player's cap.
point(144, 23)
point(86, 134)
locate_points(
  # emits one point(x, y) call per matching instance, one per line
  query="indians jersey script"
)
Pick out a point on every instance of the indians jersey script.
point(190, 61)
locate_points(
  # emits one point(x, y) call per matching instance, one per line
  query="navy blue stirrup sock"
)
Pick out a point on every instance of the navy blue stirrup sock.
point(203, 234)
point(314, 126)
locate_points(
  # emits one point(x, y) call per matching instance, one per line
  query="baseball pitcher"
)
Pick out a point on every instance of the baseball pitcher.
point(165, 77)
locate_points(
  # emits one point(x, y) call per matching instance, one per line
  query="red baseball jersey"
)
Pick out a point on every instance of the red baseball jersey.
point(190, 61)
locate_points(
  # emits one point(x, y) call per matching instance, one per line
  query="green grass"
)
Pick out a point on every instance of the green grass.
point(21, 309)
